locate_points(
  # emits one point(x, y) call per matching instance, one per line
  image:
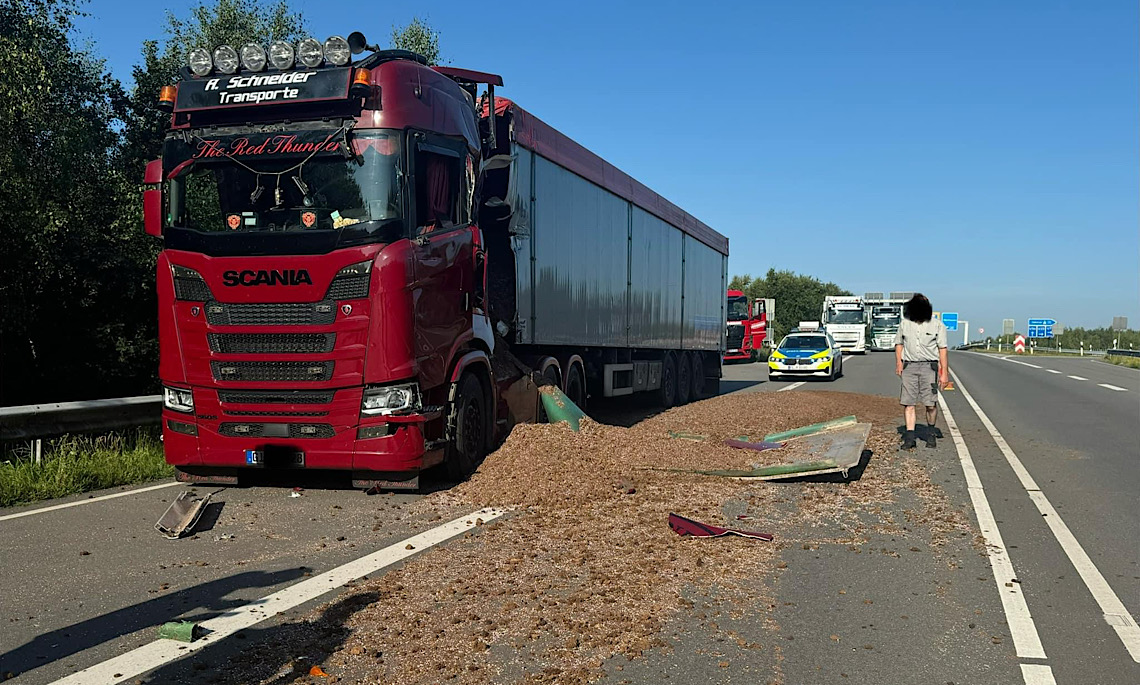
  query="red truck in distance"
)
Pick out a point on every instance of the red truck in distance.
point(747, 326)
point(369, 264)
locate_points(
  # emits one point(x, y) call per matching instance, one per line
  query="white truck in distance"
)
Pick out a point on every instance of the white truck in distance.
point(845, 318)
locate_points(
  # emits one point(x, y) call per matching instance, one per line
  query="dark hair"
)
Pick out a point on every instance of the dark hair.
point(918, 309)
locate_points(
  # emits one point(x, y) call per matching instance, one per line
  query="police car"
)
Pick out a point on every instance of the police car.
point(808, 351)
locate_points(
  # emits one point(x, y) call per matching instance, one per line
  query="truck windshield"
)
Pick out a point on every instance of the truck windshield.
point(320, 193)
point(886, 318)
point(737, 308)
point(845, 316)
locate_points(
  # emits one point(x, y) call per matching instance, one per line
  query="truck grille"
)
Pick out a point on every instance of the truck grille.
point(272, 371)
point(349, 287)
point(276, 430)
point(735, 337)
point(267, 343)
point(275, 413)
point(189, 288)
point(275, 397)
point(271, 314)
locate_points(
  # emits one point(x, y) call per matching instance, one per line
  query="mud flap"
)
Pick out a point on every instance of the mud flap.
point(182, 515)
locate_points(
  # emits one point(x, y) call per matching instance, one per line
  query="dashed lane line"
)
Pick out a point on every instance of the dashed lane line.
point(1078, 378)
point(1117, 388)
point(1014, 361)
point(1113, 610)
point(77, 503)
point(138, 661)
point(793, 386)
point(1052, 370)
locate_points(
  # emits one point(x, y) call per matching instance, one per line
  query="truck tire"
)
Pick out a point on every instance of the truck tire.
point(576, 386)
point(698, 366)
point(684, 378)
point(667, 393)
point(468, 445)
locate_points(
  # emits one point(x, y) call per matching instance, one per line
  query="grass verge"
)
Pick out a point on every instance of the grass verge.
point(74, 464)
point(1130, 362)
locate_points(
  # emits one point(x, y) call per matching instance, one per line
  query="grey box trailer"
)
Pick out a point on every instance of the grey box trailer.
point(604, 274)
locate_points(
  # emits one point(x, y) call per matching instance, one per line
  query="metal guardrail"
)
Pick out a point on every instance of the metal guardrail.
point(34, 421)
point(1123, 353)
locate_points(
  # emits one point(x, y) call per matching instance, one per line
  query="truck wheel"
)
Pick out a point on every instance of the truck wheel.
point(469, 418)
point(576, 386)
point(698, 366)
point(667, 393)
point(684, 378)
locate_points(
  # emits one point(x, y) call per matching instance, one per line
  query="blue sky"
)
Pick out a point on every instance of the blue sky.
point(983, 153)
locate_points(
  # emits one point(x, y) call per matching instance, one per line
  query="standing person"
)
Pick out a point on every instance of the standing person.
point(920, 360)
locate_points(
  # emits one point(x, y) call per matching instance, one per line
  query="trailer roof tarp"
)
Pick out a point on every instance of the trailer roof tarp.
point(535, 134)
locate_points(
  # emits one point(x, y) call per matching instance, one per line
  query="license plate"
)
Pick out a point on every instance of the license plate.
point(257, 458)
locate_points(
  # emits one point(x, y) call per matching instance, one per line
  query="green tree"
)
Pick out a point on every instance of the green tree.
point(798, 297)
point(66, 249)
point(418, 37)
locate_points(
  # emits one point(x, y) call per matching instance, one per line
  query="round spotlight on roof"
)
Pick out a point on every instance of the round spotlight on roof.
point(200, 62)
point(337, 50)
point(281, 55)
point(226, 59)
point(309, 53)
point(253, 57)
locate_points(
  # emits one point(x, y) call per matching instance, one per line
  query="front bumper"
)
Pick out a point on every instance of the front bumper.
point(225, 434)
point(782, 368)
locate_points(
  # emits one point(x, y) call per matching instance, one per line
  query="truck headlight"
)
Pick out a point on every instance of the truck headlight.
point(178, 399)
point(390, 398)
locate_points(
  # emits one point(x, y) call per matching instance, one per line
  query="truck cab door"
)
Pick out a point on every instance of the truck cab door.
point(445, 245)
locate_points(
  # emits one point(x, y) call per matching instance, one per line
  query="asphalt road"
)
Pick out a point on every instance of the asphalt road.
point(86, 583)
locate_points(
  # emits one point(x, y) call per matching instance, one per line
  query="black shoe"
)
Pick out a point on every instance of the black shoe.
point(935, 431)
point(909, 441)
point(931, 441)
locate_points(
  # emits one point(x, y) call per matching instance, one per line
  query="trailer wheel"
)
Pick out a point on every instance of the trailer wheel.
point(576, 386)
point(684, 378)
point(667, 393)
point(698, 364)
point(469, 418)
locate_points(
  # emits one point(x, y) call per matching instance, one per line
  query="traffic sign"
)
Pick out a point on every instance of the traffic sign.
point(1019, 344)
point(1041, 328)
point(950, 320)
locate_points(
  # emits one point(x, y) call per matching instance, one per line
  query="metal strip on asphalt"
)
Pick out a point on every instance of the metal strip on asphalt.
point(1114, 611)
point(1117, 388)
point(56, 507)
point(161, 652)
point(1026, 641)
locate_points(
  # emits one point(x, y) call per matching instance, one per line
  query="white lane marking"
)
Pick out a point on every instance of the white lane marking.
point(1115, 613)
point(160, 652)
point(1026, 641)
point(1117, 388)
point(793, 386)
point(1078, 378)
point(1037, 674)
point(1014, 361)
point(1052, 370)
point(56, 507)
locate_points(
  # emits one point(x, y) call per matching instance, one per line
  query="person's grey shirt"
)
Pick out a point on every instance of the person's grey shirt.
point(921, 341)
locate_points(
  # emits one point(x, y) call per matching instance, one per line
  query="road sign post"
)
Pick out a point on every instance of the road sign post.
point(950, 320)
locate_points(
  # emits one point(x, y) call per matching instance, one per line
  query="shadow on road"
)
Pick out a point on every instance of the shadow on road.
point(211, 597)
point(732, 386)
point(853, 474)
point(273, 655)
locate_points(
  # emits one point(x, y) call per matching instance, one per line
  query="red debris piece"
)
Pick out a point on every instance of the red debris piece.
point(690, 528)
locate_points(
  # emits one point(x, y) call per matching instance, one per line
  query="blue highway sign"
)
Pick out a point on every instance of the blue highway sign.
point(1041, 328)
point(950, 320)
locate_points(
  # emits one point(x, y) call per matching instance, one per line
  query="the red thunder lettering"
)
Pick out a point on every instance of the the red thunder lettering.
point(208, 149)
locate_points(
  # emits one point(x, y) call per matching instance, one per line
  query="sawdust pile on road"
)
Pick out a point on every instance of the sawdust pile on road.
point(585, 568)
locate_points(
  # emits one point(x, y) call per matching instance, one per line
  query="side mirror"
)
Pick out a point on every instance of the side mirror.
point(152, 199)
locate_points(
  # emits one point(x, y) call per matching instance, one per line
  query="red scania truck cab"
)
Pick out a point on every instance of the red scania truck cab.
point(324, 284)
point(747, 326)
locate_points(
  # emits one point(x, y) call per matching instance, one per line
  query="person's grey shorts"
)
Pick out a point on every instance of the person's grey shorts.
point(919, 384)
